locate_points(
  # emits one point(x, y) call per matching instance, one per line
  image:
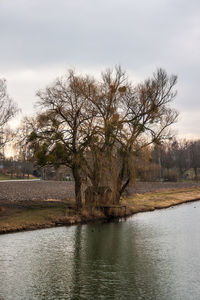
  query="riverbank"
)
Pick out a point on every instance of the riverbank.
point(29, 215)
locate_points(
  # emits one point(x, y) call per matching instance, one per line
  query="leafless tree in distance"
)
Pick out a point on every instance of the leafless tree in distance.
point(8, 109)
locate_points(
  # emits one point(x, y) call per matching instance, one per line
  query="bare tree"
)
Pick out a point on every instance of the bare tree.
point(129, 118)
point(64, 128)
point(181, 155)
point(23, 150)
point(8, 109)
point(98, 128)
point(194, 155)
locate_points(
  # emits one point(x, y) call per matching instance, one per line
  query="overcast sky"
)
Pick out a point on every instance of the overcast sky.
point(41, 39)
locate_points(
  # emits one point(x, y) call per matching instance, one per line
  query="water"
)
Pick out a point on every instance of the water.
point(152, 255)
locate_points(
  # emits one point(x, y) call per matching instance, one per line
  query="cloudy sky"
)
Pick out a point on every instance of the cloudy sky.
point(41, 39)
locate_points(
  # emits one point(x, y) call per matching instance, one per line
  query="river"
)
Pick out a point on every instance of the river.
point(153, 255)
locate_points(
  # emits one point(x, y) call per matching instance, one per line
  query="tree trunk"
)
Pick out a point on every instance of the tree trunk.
point(116, 191)
point(78, 183)
point(196, 173)
point(124, 186)
point(116, 196)
point(121, 182)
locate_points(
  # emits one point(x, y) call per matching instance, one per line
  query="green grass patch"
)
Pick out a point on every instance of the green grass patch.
point(8, 177)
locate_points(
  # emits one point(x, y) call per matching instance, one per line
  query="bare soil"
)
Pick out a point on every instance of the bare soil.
point(146, 187)
point(36, 190)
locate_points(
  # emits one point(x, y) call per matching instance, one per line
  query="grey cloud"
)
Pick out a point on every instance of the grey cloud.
point(139, 35)
point(94, 31)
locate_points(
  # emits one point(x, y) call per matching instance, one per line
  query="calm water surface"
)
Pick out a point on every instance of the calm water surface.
point(150, 256)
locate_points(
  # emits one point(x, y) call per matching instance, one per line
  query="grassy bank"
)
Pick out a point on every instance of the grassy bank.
point(162, 199)
point(29, 215)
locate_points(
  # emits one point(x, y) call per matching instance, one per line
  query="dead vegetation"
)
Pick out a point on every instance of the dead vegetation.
point(162, 199)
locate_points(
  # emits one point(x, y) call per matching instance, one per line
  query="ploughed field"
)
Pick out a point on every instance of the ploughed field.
point(35, 190)
point(64, 190)
point(147, 187)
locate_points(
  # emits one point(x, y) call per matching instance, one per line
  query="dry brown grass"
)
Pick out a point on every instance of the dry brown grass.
point(164, 199)
point(91, 213)
point(14, 220)
point(39, 216)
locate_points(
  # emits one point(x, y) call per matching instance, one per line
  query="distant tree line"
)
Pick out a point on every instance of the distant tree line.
point(16, 169)
point(171, 161)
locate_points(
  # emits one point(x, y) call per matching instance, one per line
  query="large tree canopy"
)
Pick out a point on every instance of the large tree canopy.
point(8, 109)
point(97, 128)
